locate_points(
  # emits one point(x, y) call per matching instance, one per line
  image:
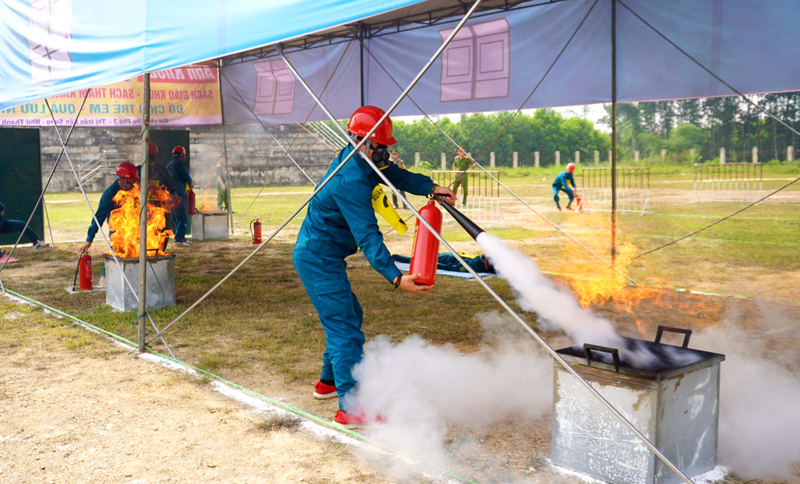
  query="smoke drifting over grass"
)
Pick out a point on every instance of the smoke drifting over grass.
point(759, 426)
point(422, 390)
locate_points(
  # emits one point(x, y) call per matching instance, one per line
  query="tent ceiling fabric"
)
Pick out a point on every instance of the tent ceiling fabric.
point(497, 60)
point(50, 47)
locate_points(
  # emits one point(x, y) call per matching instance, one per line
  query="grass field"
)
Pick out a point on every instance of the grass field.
point(260, 330)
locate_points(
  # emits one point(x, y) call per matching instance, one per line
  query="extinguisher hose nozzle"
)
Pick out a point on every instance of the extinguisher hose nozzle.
point(471, 227)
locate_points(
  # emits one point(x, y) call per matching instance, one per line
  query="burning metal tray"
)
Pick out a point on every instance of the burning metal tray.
point(643, 359)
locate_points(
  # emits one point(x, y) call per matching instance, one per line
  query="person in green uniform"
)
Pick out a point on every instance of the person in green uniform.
point(222, 182)
point(462, 163)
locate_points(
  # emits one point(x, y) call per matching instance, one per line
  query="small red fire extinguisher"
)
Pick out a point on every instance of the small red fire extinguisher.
point(85, 271)
point(255, 230)
point(425, 254)
point(191, 201)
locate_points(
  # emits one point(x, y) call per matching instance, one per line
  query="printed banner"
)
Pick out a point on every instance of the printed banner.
point(184, 96)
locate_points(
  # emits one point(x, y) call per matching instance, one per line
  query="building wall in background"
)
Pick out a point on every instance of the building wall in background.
point(254, 158)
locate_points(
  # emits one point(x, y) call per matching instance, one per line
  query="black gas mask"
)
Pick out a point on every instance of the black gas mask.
point(380, 153)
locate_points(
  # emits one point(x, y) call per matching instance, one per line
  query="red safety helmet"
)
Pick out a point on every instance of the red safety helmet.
point(153, 149)
point(570, 167)
point(365, 118)
point(127, 171)
point(179, 150)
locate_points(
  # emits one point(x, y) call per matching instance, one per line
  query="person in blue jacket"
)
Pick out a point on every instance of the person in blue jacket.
point(340, 220)
point(180, 178)
point(12, 226)
point(565, 182)
point(127, 177)
point(448, 262)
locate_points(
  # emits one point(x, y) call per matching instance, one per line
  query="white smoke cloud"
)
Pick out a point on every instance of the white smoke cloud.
point(759, 427)
point(423, 390)
point(556, 307)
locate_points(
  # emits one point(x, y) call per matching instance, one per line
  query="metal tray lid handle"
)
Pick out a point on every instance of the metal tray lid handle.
point(686, 332)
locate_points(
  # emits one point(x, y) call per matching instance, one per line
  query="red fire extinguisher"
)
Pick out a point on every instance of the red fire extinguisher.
point(255, 230)
point(425, 254)
point(85, 272)
point(190, 202)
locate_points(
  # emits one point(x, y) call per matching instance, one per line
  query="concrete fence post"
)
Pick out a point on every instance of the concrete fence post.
point(790, 154)
point(663, 155)
point(515, 160)
point(444, 161)
point(636, 155)
point(536, 159)
point(609, 156)
point(596, 157)
point(491, 159)
point(416, 158)
point(577, 157)
point(558, 158)
point(755, 154)
point(692, 154)
point(722, 156)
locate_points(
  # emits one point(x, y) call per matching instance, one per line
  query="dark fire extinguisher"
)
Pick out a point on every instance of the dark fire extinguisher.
point(190, 202)
point(425, 254)
point(255, 230)
point(85, 271)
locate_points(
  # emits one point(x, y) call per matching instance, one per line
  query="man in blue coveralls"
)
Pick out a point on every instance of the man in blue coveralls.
point(180, 178)
point(127, 176)
point(565, 182)
point(340, 220)
point(11, 226)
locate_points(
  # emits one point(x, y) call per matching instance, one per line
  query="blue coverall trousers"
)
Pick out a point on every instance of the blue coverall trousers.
point(325, 280)
point(16, 226)
point(180, 215)
point(566, 190)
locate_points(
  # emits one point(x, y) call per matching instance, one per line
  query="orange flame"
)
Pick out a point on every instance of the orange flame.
point(124, 221)
point(595, 283)
point(206, 201)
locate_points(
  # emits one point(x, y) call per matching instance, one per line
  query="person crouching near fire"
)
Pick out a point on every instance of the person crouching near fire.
point(127, 178)
point(340, 220)
point(565, 182)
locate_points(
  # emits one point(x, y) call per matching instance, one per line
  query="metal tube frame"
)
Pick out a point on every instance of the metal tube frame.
point(513, 314)
point(143, 195)
point(49, 178)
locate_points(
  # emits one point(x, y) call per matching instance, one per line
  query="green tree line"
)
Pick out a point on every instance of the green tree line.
point(544, 131)
point(708, 125)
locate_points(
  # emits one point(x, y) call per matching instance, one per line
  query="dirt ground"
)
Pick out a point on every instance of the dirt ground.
point(70, 417)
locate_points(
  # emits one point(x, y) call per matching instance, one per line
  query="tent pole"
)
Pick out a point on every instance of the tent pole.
point(143, 212)
point(49, 227)
point(225, 148)
point(613, 132)
point(361, 56)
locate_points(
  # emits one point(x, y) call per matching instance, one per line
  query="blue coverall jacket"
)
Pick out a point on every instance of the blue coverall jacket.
point(179, 176)
point(340, 220)
point(560, 183)
point(103, 209)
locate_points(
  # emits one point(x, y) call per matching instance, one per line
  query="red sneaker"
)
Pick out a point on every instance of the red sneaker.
point(323, 391)
point(355, 421)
